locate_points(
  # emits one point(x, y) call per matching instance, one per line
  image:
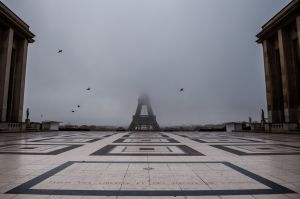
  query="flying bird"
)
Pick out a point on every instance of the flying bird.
point(88, 89)
point(78, 106)
point(73, 111)
point(59, 51)
point(181, 90)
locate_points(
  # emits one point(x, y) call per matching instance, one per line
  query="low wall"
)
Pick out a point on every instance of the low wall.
point(280, 127)
point(12, 127)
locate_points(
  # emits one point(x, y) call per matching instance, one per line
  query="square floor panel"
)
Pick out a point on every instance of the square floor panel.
point(149, 179)
point(224, 140)
point(260, 149)
point(87, 136)
point(153, 150)
point(145, 135)
point(146, 140)
point(204, 136)
point(36, 149)
point(68, 140)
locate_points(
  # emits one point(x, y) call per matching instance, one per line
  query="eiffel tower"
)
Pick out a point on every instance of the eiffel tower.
point(144, 122)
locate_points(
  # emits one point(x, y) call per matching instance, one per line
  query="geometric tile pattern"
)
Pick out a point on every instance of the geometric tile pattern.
point(146, 140)
point(143, 135)
point(88, 136)
point(149, 179)
point(149, 164)
point(67, 140)
point(153, 150)
point(260, 149)
point(36, 149)
point(224, 140)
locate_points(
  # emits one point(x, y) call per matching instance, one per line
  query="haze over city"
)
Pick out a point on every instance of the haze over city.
point(160, 46)
point(143, 99)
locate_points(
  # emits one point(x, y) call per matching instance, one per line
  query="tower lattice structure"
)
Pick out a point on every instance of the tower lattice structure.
point(144, 122)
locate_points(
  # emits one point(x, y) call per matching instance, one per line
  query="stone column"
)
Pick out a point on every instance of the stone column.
point(268, 77)
point(298, 28)
point(20, 80)
point(5, 62)
point(298, 34)
point(290, 112)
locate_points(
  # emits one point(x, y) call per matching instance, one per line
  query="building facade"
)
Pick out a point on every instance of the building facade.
point(14, 39)
point(50, 126)
point(280, 38)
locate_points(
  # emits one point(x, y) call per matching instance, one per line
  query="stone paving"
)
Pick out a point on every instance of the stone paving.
point(208, 165)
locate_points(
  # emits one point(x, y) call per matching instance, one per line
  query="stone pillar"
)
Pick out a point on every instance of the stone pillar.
point(5, 62)
point(268, 79)
point(290, 112)
point(20, 80)
point(298, 35)
point(298, 28)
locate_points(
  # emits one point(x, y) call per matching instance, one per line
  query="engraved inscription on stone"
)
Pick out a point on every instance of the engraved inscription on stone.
point(138, 176)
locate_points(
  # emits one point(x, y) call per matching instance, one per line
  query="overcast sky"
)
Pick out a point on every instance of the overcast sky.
point(120, 48)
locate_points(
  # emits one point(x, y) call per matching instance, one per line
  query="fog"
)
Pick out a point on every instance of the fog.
point(120, 48)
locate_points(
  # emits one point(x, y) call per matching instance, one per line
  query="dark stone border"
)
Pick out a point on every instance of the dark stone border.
point(56, 152)
point(183, 136)
point(278, 140)
point(150, 136)
point(203, 136)
point(25, 188)
point(249, 140)
point(50, 140)
point(237, 152)
point(188, 151)
point(91, 136)
point(121, 140)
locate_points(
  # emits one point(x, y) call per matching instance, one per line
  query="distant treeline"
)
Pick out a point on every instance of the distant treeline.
point(167, 129)
point(187, 128)
point(90, 128)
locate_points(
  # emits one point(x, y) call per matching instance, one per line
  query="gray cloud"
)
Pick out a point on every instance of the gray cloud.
point(119, 48)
